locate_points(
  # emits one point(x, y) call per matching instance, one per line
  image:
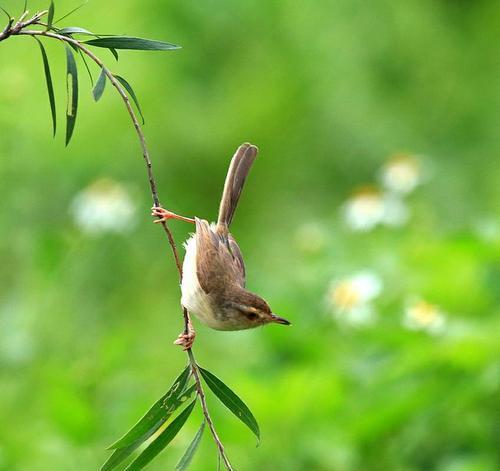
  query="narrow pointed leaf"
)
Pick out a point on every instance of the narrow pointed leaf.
point(130, 42)
point(185, 461)
point(158, 413)
point(231, 401)
point(72, 90)
point(114, 52)
point(100, 85)
point(122, 453)
point(25, 5)
point(50, 88)
point(50, 16)
point(131, 93)
point(118, 457)
point(75, 30)
point(71, 12)
point(11, 20)
point(162, 440)
point(82, 55)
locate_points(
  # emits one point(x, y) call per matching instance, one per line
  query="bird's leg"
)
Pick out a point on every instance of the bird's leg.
point(164, 215)
point(186, 339)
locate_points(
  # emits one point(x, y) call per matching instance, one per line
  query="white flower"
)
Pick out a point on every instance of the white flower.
point(421, 315)
point(104, 206)
point(369, 207)
point(350, 298)
point(364, 210)
point(402, 174)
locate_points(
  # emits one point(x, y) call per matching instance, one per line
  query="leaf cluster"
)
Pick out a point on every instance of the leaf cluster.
point(69, 36)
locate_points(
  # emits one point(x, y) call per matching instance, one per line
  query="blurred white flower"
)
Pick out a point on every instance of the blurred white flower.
point(421, 315)
point(370, 207)
point(104, 206)
point(364, 210)
point(349, 298)
point(310, 237)
point(401, 174)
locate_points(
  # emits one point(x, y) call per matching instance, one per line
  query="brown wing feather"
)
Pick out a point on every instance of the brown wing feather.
point(218, 263)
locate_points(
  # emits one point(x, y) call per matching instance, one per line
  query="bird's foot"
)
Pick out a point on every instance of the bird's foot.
point(186, 340)
point(164, 215)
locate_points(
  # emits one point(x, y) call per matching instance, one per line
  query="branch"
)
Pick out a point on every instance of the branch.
point(18, 30)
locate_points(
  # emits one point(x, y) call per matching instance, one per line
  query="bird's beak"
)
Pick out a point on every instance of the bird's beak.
point(279, 320)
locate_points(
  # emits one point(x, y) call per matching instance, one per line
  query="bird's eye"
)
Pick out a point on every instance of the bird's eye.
point(252, 316)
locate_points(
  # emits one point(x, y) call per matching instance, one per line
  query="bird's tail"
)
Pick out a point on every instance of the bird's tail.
point(235, 179)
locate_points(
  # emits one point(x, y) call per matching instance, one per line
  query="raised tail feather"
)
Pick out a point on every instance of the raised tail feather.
point(235, 179)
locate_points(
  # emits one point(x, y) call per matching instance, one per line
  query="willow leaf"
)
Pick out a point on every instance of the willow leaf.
point(131, 93)
point(50, 88)
point(71, 12)
point(114, 52)
point(158, 413)
point(130, 42)
point(231, 401)
point(162, 440)
point(100, 85)
point(76, 30)
point(50, 16)
point(87, 68)
point(72, 90)
point(186, 459)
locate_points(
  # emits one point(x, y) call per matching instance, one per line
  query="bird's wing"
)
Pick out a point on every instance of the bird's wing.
point(218, 260)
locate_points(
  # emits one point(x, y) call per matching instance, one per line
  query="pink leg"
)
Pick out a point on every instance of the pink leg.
point(164, 215)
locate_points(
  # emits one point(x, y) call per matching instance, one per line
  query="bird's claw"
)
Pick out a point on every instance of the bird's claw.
point(162, 214)
point(186, 340)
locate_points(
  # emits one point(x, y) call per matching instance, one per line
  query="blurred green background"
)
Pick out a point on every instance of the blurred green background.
point(387, 266)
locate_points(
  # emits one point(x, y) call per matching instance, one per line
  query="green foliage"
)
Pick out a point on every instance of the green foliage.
point(186, 459)
point(131, 93)
point(129, 42)
point(100, 84)
point(231, 401)
point(72, 91)
point(50, 87)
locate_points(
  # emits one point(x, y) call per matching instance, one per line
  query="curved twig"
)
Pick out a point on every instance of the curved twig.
point(18, 29)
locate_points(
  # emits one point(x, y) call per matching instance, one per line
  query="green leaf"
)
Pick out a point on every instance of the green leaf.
point(25, 5)
point(10, 19)
point(71, 12)
point(50, 16)
point(122, 453)
point(100, 84)
point(231, 401)
point(185, 461)
point(72, 90)
point(114, 52)
point(118, 457)
point(76, 30)
point(158, 413)
point(130, 91)
point(82, 55)
point(50, 88)
point(162, 440)
point(129, 42)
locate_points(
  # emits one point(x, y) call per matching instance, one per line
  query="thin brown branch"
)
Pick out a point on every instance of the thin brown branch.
point(18, 29)
point(203, 402)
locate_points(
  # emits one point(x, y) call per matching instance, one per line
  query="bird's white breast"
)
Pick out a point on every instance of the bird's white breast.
point(194, 299)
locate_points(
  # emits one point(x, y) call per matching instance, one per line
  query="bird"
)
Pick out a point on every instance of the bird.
point(213, 284)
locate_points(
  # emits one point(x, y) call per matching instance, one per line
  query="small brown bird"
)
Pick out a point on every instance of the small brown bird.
point(213, 284)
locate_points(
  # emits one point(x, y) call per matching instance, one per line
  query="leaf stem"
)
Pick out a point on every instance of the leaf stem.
point(18, 29)
point(204, 407)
